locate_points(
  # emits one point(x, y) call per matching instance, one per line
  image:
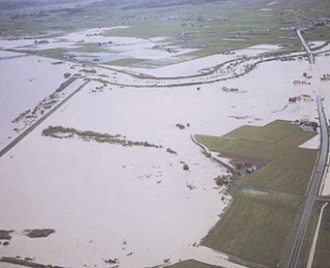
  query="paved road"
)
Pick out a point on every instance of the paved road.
point(314, 186)
point(311, 56)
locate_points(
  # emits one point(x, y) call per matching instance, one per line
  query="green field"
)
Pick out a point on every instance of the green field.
point(208, 26)
point(256, 228)
point(260, 225)
point(126, 62)
point(322, 253)
point(279, 131)
point(192, 264)
point(289, 167)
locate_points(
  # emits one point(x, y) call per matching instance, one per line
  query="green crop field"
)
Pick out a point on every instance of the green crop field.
point(259, 226)
point(209, 27)
point(279, 131)
point(255, 228)
point(289, 168)
point(126, 62)
point(288, 173)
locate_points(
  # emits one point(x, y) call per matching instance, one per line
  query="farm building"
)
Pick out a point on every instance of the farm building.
point(308, 126)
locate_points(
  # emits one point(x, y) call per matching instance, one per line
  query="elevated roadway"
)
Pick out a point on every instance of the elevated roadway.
point(310, 54)
point(314, 186)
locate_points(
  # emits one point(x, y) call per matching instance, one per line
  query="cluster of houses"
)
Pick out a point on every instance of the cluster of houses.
point(303, 97)
point(228, 53)
point(41, 42)
point(230, 89)
point(308, 126)
point(308, 76)
point(315, 24)
point(325, 77)
point(171, 50)
point(301, 83)
point(287, 59)
point(248, 168)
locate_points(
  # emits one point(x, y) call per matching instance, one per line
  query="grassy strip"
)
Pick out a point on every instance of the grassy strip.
point(309, 235)
point(26, 263)
point(126, 62)
point(322, 253)
point(192, 264)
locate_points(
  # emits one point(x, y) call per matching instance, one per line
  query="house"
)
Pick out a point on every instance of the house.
point(251, 169)
point(325, 77)
point(307, 97)
point(232, 89)
point(292, 99)
point(300, 82)
point(308, 76)
point(308, 126)
point(41, 42)
point(305, 83)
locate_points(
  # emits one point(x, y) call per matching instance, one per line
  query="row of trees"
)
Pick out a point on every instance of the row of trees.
point(62, 132)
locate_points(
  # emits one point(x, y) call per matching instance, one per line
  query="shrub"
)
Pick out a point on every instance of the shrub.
point(67, 75)
point(180, 126)
point(38, 233)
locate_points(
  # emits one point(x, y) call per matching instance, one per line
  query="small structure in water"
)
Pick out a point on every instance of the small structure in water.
point(230, 89)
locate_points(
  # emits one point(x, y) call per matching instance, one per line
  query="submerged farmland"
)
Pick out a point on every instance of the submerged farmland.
point(188, 144)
